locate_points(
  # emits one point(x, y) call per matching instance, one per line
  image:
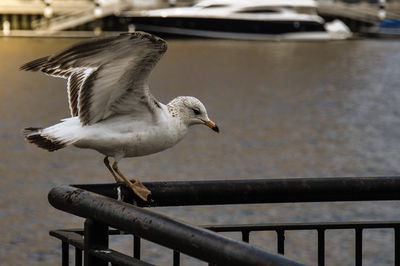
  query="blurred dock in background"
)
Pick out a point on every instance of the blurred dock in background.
point(94, 17)
point(66, 17)
point(359, 16)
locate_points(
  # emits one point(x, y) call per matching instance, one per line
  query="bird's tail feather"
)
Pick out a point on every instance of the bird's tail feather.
point(34, 135)
point(57, 136)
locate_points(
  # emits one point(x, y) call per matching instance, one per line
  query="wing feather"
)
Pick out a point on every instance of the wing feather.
point(106, 76)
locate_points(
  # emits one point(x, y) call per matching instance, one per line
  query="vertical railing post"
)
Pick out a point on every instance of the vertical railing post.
point(246, 236)
point(65, 253)
point(78, 257)
point(281, 241)
point(321, 247)
point(136, 247)
point(96, 238)
point(359, 240)
point(177, 258)
point(397, 246)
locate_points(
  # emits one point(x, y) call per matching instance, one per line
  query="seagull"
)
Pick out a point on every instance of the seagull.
point(112, 108)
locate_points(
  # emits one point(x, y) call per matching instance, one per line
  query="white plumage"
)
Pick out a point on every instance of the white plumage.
point(111, 106)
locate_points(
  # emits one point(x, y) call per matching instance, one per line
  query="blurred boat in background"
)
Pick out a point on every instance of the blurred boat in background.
point(388, 28)
point(240, 19)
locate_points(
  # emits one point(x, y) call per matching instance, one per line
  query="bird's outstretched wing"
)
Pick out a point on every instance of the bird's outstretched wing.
point(106, 76)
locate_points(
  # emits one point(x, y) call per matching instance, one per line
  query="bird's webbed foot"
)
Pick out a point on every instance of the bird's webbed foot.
point(139, 189)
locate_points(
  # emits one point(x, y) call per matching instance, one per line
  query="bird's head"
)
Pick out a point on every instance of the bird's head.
point(191, 111)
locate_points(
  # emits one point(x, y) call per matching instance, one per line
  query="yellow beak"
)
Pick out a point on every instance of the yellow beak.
point(212, 125)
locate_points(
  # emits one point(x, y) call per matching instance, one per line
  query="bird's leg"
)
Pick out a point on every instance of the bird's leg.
point(107, 163)
point(137, 187)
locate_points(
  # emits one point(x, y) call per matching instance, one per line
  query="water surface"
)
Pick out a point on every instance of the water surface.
point(291, 109)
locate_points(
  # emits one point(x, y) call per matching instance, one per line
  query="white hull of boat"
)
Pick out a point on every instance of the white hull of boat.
point(297, 36)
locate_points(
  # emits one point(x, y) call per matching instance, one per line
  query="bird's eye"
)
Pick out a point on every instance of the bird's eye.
point(196, 111)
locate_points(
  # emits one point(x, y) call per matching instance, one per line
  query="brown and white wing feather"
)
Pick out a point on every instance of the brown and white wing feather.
point(106, 76)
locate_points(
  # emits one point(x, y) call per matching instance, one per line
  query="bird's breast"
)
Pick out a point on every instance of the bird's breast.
point(154, 140)
point(134, 140)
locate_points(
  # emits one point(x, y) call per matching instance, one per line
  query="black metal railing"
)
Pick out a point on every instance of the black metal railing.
point(320, 228)
point(98, 204)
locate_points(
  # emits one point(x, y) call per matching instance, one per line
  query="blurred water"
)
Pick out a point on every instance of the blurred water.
point(292, 109)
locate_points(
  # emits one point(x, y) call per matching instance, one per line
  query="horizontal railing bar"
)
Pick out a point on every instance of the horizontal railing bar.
point(303, 226)
point(275, 226)
point(81, 231)
point(117, 258)
point(109, 255)
point(72, 238)
point(61, 234)
point(245, 191)
point(191, 240)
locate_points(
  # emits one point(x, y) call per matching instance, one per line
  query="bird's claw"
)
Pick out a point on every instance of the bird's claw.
point(140, 190)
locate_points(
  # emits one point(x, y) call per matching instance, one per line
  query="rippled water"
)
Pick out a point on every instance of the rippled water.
point(292, 109)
